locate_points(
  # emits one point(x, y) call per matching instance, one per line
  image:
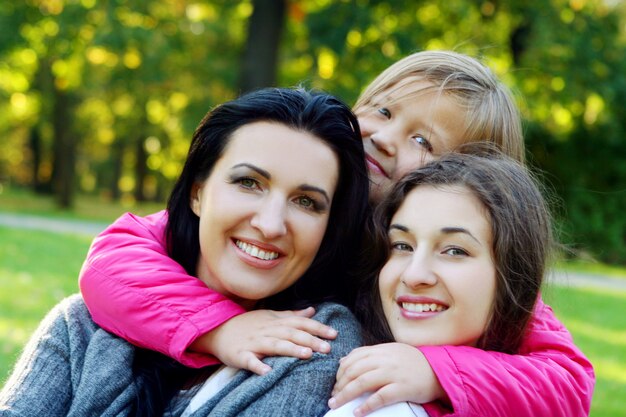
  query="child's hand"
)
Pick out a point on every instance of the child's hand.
point(246, 339)
point(392, 372)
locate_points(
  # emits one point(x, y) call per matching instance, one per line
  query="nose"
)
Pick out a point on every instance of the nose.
point(270, 217)
point(384, 142)
point(419, 272)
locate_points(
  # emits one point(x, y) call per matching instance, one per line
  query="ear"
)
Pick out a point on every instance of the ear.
point(195, 198)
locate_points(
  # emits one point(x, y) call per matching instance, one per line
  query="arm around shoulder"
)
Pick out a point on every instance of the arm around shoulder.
point(136, 291)
point(295, 387)
point(550, 376)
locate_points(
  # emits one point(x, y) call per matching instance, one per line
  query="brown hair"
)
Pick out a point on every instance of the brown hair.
point(522, 239)
point(492, 115)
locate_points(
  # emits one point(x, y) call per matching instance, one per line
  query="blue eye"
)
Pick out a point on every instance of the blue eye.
point(456, 252)
point(385, 112)
point(401, 246)
point(422, 141)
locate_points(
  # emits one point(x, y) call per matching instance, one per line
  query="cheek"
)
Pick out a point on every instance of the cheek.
point(483, 288)
point(367, 125)
point(308, 233)
point(388, 280)
point(410, 161)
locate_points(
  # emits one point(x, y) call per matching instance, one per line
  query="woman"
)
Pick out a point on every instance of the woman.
point(250, 183)
point(459, 255)
point(421, 107)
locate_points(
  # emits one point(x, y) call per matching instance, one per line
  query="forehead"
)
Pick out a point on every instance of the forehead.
point(281, 149)
point(430, 207)
point(406, 88)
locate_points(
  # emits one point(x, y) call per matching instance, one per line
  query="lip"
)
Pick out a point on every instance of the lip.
point(375, 166)
point(256, 262)
point(412, 315)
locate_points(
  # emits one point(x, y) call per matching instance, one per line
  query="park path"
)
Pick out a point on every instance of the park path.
point(87, 228)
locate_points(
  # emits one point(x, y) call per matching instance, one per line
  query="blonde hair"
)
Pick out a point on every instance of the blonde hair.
point(492, 115)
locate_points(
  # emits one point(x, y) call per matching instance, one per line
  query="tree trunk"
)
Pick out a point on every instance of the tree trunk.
point(141, 169)
point(41, 150)
point(37, 154)
point(117, 158)
point(63, 169)
point(259, 61)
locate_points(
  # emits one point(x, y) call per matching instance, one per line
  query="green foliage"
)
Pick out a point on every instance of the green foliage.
point(137, 80)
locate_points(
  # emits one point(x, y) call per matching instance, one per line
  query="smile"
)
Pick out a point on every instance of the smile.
point(423, 308)
point(374, 165)
point(255, 251)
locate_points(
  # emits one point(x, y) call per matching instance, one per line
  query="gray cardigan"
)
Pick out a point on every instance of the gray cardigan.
point(72, 367)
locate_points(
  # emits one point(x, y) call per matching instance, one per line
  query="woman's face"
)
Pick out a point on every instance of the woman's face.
point(263, 210)
point(438, 285)
point(405, 127)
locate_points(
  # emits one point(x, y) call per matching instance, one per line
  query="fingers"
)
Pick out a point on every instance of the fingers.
point(291, 342)
point(309, 325)
point(355, 387)
point(254, 364)
point(379, 399)
point(306, 312)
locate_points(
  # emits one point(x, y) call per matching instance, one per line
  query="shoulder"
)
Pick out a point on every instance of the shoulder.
point(69, 312)
point(151, 226)
point(333, 313)
point(340, 318)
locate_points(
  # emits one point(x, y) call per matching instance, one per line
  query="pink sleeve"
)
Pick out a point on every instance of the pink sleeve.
point(550, 376)
point(135, 290)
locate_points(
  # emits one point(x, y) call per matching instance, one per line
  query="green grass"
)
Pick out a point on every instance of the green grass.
point(37, 269)
point(596, 319)
point(594, 267)
point(86, 207)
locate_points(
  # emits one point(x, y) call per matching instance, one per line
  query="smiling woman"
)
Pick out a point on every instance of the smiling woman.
point(272, 212)
point(458, 259)
point(257, 221)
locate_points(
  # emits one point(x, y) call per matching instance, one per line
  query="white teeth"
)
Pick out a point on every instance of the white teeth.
point(420, 308)
point(255, 251)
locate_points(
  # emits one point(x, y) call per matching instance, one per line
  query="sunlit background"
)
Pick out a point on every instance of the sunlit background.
point(99, 99)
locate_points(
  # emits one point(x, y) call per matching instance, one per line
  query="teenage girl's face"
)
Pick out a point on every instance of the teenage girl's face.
point(405, 127)
point(263, 210)
point(438, 285)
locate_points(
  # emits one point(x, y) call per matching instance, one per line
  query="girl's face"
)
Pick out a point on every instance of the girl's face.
point(406, 126)
point(438, 285)
point(263, 210)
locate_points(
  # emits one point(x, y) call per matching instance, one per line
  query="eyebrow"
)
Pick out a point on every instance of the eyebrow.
point(255, 168)
point(444, 230)
point(399, 227)
point(267, 175)
point(453, 230)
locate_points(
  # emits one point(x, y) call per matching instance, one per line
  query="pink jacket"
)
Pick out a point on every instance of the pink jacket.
point(133, 289)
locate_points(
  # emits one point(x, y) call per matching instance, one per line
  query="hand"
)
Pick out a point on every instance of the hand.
point(244, 340)
point(392, 372)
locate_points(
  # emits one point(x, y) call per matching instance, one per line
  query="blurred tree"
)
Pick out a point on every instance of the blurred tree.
point(116, 91)
point(259, 61)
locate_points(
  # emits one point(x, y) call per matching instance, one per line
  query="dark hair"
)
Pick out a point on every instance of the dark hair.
point(522, 240)
point(319, 114)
